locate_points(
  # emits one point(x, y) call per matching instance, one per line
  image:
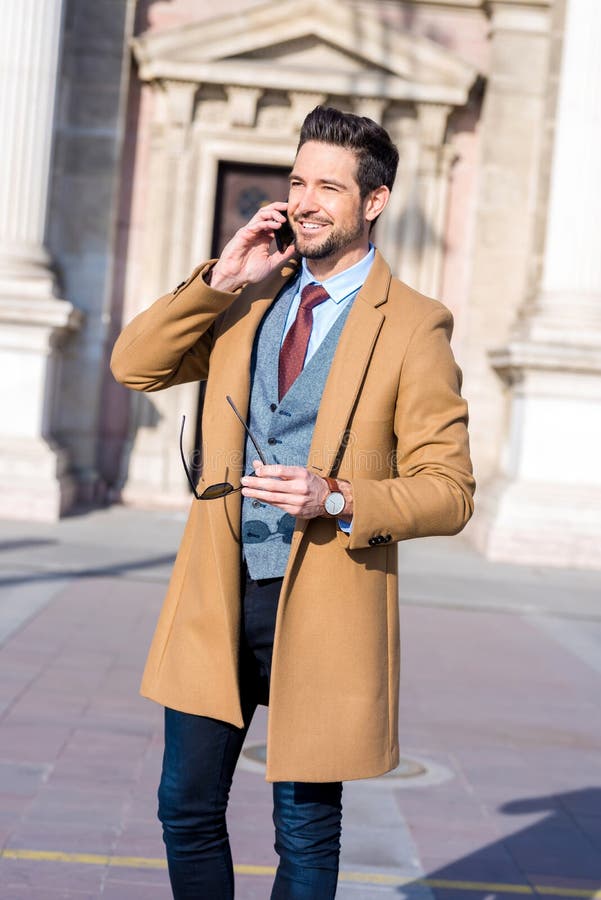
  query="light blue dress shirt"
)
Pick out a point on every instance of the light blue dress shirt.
point(342, 290)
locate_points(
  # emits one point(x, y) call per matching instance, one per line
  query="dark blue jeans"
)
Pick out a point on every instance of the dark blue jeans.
point(198, 766)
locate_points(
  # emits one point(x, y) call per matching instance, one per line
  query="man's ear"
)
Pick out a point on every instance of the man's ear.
point(375, 202)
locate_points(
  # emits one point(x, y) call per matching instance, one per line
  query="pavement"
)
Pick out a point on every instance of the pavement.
point(499, 790)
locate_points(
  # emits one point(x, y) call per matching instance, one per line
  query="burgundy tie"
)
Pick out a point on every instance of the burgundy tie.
point(294, 348)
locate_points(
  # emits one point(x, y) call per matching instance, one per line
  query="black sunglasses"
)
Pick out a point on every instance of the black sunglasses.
point(223, 488)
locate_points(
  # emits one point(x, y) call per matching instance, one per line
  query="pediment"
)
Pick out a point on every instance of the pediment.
point(325, 46)
point(307, 52)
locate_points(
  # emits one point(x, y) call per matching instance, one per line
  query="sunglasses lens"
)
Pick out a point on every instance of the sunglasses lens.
point(214, 491)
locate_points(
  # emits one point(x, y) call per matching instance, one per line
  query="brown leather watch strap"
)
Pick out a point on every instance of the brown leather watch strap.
point(332, 484)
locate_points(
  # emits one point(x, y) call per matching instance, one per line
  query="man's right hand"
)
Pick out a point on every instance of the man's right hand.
point(246, 258)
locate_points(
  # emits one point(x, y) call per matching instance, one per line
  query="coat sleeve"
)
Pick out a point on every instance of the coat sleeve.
point(170, 342)
point(433, 489)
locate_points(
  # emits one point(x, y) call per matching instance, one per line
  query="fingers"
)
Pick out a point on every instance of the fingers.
point(271, 216)
point(279, 471)
point(282, 257)
point(293, 503)
point(273, 485)
point(276, 498)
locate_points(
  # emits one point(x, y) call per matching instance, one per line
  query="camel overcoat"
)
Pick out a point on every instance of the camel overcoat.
point(392, 422)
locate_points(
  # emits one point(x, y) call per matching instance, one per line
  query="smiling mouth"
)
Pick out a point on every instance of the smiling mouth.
point(311, 227)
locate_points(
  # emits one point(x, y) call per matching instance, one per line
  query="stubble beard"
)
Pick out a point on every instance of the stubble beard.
point(337, 240)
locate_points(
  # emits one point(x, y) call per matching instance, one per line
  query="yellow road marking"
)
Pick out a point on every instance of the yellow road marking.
point(88, 859)
point(145, 862)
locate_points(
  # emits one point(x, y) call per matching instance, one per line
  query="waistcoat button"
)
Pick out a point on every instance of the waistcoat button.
point(271, 441)
point(273, 406)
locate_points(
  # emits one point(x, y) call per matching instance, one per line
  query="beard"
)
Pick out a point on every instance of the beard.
point(337, 240)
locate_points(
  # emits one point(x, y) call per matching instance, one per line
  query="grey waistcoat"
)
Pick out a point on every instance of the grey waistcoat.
point(282, 430)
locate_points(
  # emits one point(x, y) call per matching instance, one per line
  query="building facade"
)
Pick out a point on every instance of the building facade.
point(141, 135)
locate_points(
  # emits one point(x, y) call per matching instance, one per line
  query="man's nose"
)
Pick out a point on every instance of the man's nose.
point(307, 202)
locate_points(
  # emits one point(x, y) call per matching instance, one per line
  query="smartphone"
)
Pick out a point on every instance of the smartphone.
point(284, 236)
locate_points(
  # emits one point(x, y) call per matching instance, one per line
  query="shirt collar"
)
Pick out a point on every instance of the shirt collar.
point(340, 286)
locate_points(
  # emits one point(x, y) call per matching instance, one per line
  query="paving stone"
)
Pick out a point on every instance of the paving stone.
point(125, 890)
point(51, 876)
point(509, 709)
point(73, 837)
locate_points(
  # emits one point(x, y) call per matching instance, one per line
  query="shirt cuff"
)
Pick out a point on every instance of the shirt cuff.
point(347, 527)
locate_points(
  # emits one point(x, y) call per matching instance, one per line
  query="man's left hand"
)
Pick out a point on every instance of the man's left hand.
point(294, 489)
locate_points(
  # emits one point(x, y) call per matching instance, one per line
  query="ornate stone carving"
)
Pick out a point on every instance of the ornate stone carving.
point(242, 105)
point(301, 103)
point(371, 107)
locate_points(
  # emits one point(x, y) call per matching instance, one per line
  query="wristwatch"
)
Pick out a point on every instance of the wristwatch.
point(334, 502)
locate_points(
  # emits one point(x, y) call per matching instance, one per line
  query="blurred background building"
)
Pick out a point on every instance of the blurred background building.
point(138, 136)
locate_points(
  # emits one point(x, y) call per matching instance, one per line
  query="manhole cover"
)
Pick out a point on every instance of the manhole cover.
point(411, 771)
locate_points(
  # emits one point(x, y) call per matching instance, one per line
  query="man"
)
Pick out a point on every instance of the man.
point(288, 596)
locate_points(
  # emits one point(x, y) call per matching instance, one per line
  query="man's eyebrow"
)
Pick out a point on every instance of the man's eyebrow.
point(294, 177)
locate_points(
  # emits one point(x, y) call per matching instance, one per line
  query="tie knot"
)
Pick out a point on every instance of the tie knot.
point(312, 295)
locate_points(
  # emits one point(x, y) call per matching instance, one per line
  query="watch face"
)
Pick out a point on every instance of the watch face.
point(334, 503)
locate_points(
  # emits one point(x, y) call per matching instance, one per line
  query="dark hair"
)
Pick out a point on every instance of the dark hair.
point(377, 156)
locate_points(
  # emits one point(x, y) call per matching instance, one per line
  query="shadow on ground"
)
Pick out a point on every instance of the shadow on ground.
point(557, 856)
point(112, 570)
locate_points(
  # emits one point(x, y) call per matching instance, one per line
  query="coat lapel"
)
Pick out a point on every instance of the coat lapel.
point(348, 368)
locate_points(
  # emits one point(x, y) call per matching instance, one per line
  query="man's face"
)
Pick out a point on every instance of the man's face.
point(324, 204)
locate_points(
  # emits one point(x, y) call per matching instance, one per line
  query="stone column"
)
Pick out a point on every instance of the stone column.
point(34, 480)
point(411, 234)
point(548, 500)
point(436, 158)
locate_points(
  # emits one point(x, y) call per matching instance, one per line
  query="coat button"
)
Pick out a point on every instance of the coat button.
point(372, 542)
point(273, 406)
point(387, 538)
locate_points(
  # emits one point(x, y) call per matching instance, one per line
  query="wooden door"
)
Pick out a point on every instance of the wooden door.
point(241, 190)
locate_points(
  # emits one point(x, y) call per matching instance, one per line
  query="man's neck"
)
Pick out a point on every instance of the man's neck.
point(322, 269)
